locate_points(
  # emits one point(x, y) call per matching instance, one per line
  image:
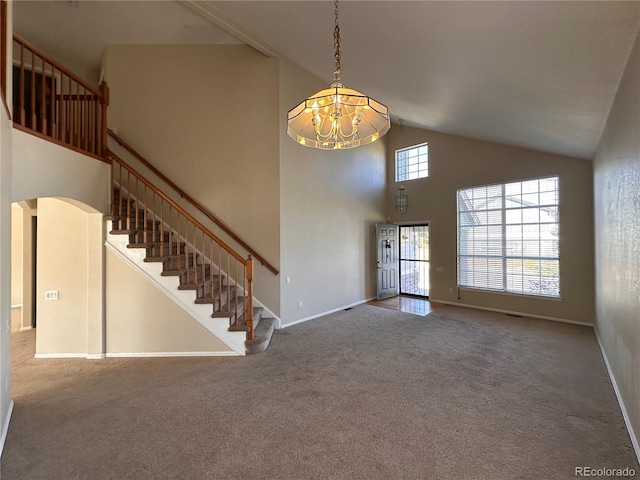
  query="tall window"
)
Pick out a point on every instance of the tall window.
point(508, 237)
point(412, 162)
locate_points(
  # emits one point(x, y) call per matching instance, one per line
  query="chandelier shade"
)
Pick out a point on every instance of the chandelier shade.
point(338, 117)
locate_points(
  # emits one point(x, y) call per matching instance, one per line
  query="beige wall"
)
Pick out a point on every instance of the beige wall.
point(44, 169)
point(141, 319)
point(617, 234)
point(16, 254)
point(207, 117)
point(456, 162)
point(66, 237)
point(330, 202)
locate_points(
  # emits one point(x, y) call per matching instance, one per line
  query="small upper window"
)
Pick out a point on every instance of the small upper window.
point(412, 162)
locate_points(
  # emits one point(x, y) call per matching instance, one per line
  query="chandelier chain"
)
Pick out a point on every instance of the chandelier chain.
point(336, 43)
point(337, 117)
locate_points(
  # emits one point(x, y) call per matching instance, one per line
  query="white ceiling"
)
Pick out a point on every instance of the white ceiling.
point(540, 75)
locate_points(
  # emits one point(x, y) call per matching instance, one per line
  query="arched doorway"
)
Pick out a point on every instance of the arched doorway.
point(64, 273)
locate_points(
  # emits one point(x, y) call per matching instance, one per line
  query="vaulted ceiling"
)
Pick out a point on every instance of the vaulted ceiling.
point(540, 75)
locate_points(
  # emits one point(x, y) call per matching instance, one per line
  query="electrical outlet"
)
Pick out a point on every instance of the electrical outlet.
point(288, 279)
point(439, 269)
point(299, 303)
point(51, 295)
point(451, 290)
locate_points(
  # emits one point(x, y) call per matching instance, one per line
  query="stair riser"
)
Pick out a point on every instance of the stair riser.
point(130, 222)
point(219, 299)
point(178, 262)
point(149, 237)
point(196, 277)
point(165, 250)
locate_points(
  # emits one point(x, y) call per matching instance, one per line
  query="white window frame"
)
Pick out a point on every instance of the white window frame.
point(412, 162)
point(508, 237)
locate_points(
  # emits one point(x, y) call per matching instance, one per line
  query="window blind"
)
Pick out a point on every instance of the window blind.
point(508, 237)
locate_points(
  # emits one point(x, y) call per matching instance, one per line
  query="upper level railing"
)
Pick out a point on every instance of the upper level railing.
point(52, 102)
point(194, 202)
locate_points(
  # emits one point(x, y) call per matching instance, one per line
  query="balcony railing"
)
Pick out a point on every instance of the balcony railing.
point(52, 102)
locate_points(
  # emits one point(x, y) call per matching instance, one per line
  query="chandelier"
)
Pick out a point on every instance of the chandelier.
point(338, 117)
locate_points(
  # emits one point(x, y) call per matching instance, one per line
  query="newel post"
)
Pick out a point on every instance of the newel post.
point(104, 103)
point(249, 311)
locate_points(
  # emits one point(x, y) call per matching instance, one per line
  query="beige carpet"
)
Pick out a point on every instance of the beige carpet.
point(367, 393)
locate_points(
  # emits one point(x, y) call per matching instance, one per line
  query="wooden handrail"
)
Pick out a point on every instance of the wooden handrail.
point(61, 68)
point(191, 200)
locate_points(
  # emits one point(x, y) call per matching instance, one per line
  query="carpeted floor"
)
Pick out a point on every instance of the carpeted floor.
point(367, 393)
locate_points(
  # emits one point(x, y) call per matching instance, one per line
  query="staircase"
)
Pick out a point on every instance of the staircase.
point(162, 233)
point(146, 224)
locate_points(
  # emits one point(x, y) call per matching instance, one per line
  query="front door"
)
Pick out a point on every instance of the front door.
point(414, 260)
point(387, 252)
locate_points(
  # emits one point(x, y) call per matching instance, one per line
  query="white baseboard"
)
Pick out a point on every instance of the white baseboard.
point(22, 329)
point(170, 354)
point(17, 305)
point(100, 356)
point(306, 319)
point(510, 312)
point(5, 429)
point(625, 415)
point(60, 355)
point(266, 313)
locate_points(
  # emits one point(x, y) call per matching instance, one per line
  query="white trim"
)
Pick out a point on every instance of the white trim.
point(22, 329)
point(95, 356)
point(5, 430)
point(17, 305)
point(60, 355)
point(511, 312)
point(226, 23)
point(511, 294)
point(171, 354)
point(306, 319)
point(634, 439)
point(266, 313)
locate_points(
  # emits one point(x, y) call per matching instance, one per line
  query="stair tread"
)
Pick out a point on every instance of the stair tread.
point(262, 335)
point(222, 295)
